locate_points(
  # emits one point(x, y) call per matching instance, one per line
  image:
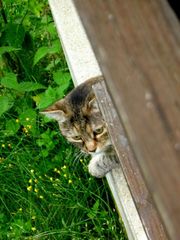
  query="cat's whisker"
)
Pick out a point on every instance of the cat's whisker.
point(77, 157)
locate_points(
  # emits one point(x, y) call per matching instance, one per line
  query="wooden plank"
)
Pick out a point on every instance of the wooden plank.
point(143, 200)
point(137, 46)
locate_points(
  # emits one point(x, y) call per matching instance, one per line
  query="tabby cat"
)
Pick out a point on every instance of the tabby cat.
point(81, 123)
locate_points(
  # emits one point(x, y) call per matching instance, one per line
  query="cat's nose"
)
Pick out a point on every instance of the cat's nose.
point(91, 146)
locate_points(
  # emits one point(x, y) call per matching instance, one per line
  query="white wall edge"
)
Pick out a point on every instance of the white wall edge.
point(83, 65)
point(78, 52)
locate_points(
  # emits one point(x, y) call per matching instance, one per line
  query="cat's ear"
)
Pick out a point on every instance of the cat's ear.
point(58, 115)
point(93, 105)
point(56, 111)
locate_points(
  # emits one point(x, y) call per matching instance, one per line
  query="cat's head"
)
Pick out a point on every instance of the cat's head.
point(80, 121)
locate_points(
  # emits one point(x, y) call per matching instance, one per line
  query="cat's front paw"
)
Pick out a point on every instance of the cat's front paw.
point(101, 164)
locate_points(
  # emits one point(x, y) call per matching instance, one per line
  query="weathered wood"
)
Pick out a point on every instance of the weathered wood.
point(137, 46)
point(143, 200)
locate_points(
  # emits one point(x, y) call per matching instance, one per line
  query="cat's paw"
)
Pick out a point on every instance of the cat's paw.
point(101, 164)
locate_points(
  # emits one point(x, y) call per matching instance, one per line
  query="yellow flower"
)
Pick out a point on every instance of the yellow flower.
point(20, 209)
point(30, 180)
point(17, 120)
point(27, 119)
point(41, 197)
point(33, 217)
point(65, 175)
point(29, 188)
point(32, 170)
point(36, 190)
point(25, 130)
point(33, 229)
point(70, 181)
point(3, 145)
point(35, 180)
point(2, 159)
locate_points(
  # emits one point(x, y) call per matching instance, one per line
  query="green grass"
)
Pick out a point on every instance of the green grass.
point(52, 197)
point(46, 191)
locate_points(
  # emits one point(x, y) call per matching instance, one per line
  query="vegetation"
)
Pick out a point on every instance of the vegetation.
point(45, 189)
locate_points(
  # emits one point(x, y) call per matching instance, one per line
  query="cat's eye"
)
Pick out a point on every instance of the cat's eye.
point(77, 138)
point(99, 130)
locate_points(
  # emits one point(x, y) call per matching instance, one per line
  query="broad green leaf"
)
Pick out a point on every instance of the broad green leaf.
point(5, 104)
point(10, 81)
point(27, 117)
point(56, 47)
point(50, 96)
point(15, 34)
point(29, 86)
point(51, 29)
point(62, 78)
point(60, 91)
point(7, 49)
point(12, 127)
point(37, 98)
point(47, 98)
point(41, 52)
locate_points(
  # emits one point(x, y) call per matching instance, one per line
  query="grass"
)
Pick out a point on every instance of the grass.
point(53, 196)
point(46, 191)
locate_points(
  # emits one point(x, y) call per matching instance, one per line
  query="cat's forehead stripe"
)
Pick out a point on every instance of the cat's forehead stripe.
point(79, 95)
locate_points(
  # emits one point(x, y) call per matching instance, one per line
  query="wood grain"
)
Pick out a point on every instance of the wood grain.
point(137, 45)
point(143, 200)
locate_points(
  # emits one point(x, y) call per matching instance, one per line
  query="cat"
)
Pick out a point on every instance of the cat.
point(81, 123)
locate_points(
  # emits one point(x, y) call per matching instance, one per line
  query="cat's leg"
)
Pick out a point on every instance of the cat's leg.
point(102, 163)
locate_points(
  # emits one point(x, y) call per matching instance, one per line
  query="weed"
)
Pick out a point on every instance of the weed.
point(45, 189)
